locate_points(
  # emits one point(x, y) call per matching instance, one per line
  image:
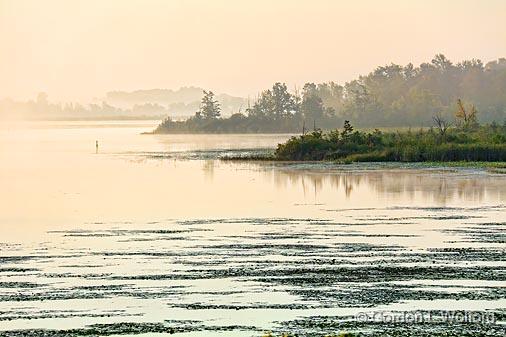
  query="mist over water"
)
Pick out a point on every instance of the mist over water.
point(52, 177)
point(136, 198)
point(155, 228)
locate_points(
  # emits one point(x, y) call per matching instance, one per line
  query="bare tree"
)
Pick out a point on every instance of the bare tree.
point(441, 124)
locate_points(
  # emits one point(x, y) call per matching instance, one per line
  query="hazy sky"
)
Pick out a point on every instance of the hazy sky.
point(76, 50)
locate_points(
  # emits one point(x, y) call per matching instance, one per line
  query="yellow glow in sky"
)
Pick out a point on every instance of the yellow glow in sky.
point(77, 50)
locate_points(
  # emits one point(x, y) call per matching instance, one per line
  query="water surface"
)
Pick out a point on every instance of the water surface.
point(156, 229)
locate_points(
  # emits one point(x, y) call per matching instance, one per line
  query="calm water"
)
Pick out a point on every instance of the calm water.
point(157, 229)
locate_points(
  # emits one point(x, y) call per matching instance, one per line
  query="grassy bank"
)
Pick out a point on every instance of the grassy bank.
point(477, 144)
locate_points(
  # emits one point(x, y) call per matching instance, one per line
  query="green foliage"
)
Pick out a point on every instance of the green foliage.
point(466, 118)
point(391, 95)
point(482, 143)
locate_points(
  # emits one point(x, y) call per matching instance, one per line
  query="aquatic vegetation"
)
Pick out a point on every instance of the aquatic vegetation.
point(319, 326)
point(311, 264)
point(123, 328)
point(287, 334)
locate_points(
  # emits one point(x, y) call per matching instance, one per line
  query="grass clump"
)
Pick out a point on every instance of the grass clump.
point(479, 143)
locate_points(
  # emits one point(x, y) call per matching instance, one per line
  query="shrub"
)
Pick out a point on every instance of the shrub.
point(484, 143)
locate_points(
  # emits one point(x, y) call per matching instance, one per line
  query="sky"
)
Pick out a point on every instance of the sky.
point(78, 50)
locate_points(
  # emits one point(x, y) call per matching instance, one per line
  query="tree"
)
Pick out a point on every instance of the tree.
point(358, 93)
point(311, 107)
point(209, 107)
point(466, 119)
point(347, 130)
point(42, 104)
point(390, 95)
point(441, 63)
point(276, 103)
point(42, 99)
point(441, 124)
point(263, 107)
point(283, 101)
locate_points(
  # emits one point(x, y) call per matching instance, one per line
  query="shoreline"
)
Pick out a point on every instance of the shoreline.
point(492, 167)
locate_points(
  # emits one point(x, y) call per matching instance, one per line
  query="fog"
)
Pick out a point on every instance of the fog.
point(78, 51)
point(240, 167)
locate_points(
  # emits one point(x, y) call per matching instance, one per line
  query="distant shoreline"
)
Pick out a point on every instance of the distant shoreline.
point(77, 119)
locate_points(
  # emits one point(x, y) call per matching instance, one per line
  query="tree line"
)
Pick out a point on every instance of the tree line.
point(391, 95)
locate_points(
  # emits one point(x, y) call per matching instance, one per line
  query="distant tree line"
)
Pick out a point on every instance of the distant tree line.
point(153, 103)
point(391, 95)
point(42, 108)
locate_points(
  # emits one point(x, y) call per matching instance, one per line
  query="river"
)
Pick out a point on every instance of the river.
point(154, 234)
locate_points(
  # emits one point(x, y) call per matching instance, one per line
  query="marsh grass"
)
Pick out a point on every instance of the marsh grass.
point(479, 144)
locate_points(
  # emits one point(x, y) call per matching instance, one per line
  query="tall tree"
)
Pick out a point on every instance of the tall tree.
point(209, 107)
point(275, 103)
point(284, 102)
point(311, 107)
point(263, 108)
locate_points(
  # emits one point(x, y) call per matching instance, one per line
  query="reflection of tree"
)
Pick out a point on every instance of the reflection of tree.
point(440, 187)
point(208, 168)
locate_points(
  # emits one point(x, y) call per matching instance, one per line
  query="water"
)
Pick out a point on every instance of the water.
point(157, 232)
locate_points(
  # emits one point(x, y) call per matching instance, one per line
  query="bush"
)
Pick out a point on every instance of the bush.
point(484, 143)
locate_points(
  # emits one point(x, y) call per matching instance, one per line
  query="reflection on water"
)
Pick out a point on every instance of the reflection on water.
point(175, 143)
point(137, 234)
point(208, 168)
point(440, 187)
point(51, 178)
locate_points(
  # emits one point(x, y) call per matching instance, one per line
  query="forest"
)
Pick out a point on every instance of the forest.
point(389, 96)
